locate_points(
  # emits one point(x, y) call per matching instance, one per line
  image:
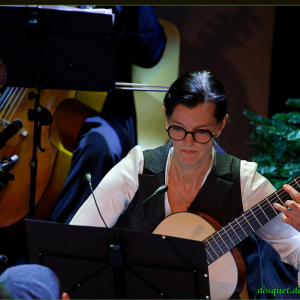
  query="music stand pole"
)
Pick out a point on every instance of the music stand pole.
point(33, 162)
point(41, 116)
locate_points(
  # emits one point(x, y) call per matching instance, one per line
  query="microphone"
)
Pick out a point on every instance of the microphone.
point(88, 179)
point(8, 132)
point(114, 253)
point(160, 190)
point(3, 259)
point(10, 163)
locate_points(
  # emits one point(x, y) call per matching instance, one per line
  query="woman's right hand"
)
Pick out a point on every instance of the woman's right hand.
point(291, 211)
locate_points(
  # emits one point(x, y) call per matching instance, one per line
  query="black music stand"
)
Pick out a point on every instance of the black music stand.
point(155, 266)
point(55, 49)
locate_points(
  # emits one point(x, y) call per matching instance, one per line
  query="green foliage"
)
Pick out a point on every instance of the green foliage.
point(276, 144)
point(288, 118)
point(293, 102)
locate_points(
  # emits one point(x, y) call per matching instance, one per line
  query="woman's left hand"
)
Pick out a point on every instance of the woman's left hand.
point(290, 216)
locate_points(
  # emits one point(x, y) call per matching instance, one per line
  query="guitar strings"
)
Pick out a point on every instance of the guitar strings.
point(237, 231)
point(266, 203)
point(6, 102)
point(244, 219)
point(13, 103)
point(21, 99)
point(3, 96)
point(9, 100)
point(226, 239)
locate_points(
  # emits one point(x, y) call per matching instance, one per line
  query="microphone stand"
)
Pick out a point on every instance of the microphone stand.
point(42, 115)
point(33, 162)
point(115, 255)
point(5, 176)
point(161, 189)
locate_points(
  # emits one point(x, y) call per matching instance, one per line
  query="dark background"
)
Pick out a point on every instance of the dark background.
point(253, 50)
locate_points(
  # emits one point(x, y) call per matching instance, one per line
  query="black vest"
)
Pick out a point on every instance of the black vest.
point(219, 197)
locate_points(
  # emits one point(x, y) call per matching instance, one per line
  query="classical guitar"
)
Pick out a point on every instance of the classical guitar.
point(223, 272)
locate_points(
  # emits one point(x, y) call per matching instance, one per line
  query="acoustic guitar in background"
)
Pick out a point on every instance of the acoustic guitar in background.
point(53, 163)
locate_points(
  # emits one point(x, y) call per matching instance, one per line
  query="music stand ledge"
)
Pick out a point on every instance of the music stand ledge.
point(155, 266)
point(60, 50)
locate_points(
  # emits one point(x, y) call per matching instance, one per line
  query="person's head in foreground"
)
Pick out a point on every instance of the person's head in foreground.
point(30, 281)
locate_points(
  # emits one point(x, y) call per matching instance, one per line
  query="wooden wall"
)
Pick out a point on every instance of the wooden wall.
point(235, 43)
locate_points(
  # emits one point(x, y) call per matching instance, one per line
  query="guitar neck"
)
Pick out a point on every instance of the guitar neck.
point(253, 219)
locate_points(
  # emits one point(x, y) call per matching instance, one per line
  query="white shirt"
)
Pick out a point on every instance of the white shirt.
point(118, 187)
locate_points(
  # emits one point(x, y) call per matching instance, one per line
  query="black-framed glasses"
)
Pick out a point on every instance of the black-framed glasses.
point(177, 133)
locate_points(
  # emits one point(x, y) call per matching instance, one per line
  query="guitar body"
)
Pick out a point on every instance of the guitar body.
point(67, 121)
point(223, 273)
point(63, 132)
point(14, 198)
point(53, 164)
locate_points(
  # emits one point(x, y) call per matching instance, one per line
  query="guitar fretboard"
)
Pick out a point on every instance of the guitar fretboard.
point(253, 219)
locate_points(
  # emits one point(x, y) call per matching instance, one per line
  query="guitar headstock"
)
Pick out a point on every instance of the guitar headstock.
point(2, 74)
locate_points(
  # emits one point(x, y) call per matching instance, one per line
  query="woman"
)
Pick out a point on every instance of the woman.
point(200, 176)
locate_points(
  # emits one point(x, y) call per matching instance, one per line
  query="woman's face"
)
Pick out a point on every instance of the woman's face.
point(188, 151)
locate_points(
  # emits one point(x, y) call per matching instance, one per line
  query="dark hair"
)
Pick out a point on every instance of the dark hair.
point(194, 88)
